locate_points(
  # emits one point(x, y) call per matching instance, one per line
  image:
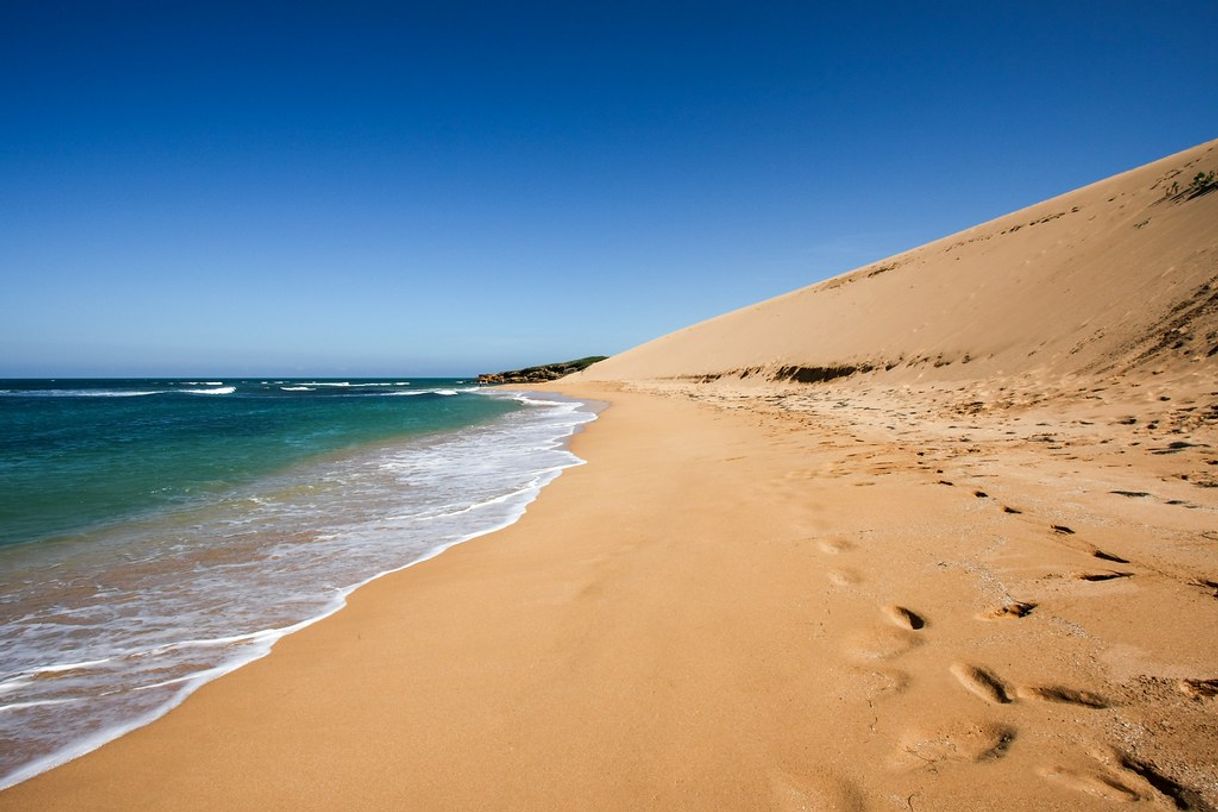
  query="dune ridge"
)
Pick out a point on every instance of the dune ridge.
point(1101, 279)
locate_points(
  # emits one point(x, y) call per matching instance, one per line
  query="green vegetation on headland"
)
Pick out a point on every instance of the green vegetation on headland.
point(540, 374)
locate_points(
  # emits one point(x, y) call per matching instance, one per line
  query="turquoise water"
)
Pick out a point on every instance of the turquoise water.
point(156, 534)
point(78, 453)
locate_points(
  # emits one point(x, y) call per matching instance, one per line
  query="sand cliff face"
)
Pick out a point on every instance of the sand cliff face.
point(1103, 279)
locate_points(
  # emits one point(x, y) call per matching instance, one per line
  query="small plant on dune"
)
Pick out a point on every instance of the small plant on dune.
point(1203, 182)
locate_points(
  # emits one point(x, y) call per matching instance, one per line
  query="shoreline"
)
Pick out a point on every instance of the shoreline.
point(716, 610)
point(263, 640)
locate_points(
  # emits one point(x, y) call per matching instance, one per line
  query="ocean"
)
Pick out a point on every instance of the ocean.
point(156, 534)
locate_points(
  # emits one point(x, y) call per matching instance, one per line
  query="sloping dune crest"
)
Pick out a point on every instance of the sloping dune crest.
point(1098, 280)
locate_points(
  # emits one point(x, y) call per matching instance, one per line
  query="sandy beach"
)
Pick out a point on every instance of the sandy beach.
point(745, 600)
point(957, 555)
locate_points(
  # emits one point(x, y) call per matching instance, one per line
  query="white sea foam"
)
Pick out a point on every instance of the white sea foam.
point(219, 390)
point(169, 609)
point(533, 401)
point(299, 388)
point(412, 393)
point(350, 385)
point(56, 669)
point(39, 703)
point(80, 393)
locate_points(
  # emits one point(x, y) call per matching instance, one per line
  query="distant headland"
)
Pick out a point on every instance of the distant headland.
point(540, 374)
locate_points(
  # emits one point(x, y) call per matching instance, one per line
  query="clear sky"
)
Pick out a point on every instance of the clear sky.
point(359, 188)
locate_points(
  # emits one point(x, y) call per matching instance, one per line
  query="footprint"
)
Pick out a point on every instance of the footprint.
point(981, 683)
point(1093, 783)
point(1116, 559)
point(1205, 583)
point(981, 494)
point(1198, 688)
point(1009, 509)
point(1102, 576)
point(1179, 796)
point(1008, 611)
point(843, 577)
point(1061, 528)
point(872, 681)
point(905, 618)
point(834, 546)
point(882, 643)
point(1066, 696)
point(965, 742)
point(821, 789)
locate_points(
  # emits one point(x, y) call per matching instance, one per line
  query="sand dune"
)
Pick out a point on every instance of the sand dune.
point(1119, 273)
point(1056, 371)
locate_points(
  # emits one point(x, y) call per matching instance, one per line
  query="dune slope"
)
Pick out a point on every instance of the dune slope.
point(1099, 279)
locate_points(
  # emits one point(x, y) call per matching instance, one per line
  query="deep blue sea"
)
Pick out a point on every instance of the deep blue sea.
point(157, 533)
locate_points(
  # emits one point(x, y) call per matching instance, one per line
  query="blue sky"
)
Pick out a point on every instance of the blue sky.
point(252, 188)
